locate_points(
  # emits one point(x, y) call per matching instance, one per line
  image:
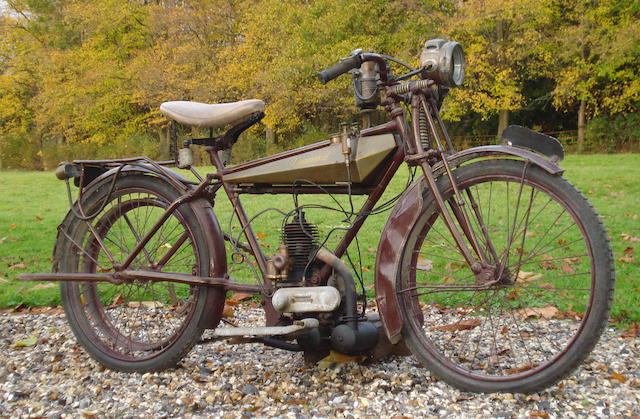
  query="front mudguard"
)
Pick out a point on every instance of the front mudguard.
point(404, 216)
point(203, 210)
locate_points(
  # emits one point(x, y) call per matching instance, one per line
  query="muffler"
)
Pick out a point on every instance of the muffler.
point(353, 335)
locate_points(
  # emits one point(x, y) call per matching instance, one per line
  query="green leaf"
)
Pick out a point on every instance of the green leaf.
point(30, 341)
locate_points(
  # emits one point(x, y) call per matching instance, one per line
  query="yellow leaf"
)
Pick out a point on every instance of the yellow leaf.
point(337, 358)
point(547, 312)
point(145, 304)
point(528, 276)
point(423, 264)
point(30, 341)
point(617, 376)
point(466, 324)
point(227, 311)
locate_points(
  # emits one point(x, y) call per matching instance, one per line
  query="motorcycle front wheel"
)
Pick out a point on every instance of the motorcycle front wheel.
point(138, 325)
point(539, 314)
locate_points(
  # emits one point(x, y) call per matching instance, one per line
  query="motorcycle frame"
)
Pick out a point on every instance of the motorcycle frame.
point(212, 182)
point(434, 162)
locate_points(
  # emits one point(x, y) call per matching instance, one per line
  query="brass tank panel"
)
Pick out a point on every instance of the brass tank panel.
point(323, 165)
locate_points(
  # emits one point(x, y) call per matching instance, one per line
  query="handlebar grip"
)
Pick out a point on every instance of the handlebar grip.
point(340, 68)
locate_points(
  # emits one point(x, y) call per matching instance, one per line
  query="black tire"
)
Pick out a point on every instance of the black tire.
point(137, 326)
point(543, 310)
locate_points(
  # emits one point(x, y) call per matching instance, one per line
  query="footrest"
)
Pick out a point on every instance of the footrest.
point(298, 326)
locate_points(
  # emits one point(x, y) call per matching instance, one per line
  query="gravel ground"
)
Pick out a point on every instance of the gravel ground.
point(55, 378)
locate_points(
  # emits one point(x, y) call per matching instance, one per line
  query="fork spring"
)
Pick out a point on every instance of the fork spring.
point(425, 140)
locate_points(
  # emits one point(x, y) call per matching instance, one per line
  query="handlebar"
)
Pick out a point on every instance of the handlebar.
point(354, 61)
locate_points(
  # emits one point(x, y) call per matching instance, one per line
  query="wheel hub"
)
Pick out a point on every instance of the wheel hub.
point(490, 275)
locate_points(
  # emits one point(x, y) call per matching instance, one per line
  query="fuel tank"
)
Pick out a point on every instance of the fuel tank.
point(322, 163)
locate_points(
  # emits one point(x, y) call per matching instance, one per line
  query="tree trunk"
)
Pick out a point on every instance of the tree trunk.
point(165, 143)
point(270, 137)
point(503, 121)
point(582, 124)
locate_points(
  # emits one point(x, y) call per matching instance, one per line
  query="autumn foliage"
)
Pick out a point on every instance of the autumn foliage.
point(86, 77)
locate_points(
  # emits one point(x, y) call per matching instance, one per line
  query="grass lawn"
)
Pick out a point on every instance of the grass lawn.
point(33, 203)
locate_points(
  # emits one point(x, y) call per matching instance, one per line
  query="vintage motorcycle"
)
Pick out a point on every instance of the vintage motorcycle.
point(492, 269)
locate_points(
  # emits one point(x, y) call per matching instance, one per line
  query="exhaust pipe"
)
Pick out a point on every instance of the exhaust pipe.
point(352, 336)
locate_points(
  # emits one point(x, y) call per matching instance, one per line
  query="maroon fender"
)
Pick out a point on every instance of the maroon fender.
point(217, 261)
point(169, 175)
point(213, 234)
point(405, 214)
point(392, 241)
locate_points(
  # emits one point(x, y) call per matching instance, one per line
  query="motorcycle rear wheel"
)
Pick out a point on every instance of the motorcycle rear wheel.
point(139, 326)
point(550, 297)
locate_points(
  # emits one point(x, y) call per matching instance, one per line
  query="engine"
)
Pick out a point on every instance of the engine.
point(298, 257)
point(301, 241)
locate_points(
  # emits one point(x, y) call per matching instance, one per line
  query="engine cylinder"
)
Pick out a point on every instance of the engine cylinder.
point(301, 239)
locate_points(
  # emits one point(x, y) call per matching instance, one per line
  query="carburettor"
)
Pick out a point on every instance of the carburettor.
point(294, 255)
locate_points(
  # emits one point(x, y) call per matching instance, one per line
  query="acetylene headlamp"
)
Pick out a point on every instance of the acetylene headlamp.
point(443, 62)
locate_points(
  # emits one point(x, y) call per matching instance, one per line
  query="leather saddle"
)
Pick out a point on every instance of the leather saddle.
point(205, 115)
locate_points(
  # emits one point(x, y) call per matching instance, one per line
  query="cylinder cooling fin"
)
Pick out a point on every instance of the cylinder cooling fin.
point(301, 239)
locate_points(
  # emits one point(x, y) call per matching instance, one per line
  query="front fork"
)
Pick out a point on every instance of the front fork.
point(479, 260)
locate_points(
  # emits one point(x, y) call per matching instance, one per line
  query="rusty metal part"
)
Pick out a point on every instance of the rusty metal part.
point(236, 243)
point(501, 151)
point(348, 285)
point(486, 275)
point(234, 198)
point(217, 262)
point(278, 265)
point(303, 189)
point(74, 277)
point(298, 326)
point(461, 214)
point(164, 217)
point(388, 258)
point(406, 87)
point(369, 204)
point(281, 258)
point(386, 128)
point(140, 164)
point(137, 275)
point(365, 83)
point(272, 273)
point(417, 102)
point(405, 213)
point(345, 142)
point(202, 209)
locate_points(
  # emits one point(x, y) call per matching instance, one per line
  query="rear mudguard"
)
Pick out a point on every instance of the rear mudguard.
point(207, 220)
point(404, 216)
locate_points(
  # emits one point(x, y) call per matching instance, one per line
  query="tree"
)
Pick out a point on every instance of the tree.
point(501, 40)
point(598, 50)
point(282, 45)
point(18, 85)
